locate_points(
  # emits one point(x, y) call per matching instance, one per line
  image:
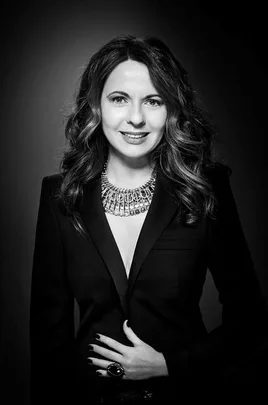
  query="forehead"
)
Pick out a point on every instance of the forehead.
point(129, 76)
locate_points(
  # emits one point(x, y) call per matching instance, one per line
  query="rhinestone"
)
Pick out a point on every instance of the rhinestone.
point(125, 202)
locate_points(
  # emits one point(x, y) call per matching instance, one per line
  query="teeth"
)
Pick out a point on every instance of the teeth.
point(133, 136)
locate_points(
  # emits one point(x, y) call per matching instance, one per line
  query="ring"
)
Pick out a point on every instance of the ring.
point(115, 370)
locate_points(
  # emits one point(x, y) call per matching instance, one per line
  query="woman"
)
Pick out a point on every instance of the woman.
point(129, 228)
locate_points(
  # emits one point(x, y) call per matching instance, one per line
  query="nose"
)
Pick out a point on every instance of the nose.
point(136, 116)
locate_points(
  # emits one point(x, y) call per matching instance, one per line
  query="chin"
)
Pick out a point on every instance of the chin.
point(134, 155)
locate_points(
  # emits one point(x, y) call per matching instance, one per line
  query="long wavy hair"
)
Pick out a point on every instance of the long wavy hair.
point(184, 151)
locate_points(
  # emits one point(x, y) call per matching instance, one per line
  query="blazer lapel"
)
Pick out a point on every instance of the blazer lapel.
point(160, 214)
point(93, 216)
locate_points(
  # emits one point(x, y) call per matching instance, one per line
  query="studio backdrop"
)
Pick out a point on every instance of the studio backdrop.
point(45, 50)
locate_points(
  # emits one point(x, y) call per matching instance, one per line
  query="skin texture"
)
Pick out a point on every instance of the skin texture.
point(140, 362)
point(128, 164)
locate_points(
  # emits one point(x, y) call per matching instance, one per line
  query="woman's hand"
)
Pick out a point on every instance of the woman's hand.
point(139, 362)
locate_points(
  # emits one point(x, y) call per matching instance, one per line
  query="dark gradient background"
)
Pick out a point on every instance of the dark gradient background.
point(43, 51)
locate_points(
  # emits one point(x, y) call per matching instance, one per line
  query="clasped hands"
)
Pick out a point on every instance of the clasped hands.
point(140, 362)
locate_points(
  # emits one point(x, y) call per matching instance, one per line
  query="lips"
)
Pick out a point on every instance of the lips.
point(134, 134)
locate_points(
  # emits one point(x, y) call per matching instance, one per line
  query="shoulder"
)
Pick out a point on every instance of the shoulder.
point(218, 175)
point(217, 171)
point(51, 184)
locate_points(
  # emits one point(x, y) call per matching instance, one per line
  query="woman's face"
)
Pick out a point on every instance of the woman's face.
point(133, 114)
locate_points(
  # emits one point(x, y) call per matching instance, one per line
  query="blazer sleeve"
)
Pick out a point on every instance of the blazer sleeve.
point(244, 315)
point(51, 311)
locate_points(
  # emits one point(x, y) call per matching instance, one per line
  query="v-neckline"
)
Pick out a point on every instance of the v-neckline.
point(113, 234)
point(161, 211)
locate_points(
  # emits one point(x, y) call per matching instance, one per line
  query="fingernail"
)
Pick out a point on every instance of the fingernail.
point(97, 336)
point(90, 347)
point(89, 361)
point(127, 323)
point(98, 373)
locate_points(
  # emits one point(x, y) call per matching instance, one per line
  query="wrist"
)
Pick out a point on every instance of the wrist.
point(161, 370)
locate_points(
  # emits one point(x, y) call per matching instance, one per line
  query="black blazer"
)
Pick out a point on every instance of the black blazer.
point(160, 299)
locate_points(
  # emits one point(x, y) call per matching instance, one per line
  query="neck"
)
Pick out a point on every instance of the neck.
point(128, 172)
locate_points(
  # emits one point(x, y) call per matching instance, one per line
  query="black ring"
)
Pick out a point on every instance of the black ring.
point(115, 370)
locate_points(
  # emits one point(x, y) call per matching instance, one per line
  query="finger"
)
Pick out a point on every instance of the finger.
point(131, 335)
point(108, 354)
point(93, 361)
point(103, 374)
point(112, 343)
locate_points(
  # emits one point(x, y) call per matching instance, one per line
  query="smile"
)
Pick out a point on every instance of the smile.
point(135, 135)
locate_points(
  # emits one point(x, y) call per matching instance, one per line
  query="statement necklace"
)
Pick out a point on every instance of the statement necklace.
point(126, 201)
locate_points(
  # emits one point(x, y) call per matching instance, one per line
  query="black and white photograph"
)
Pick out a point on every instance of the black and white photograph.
point(134, 201)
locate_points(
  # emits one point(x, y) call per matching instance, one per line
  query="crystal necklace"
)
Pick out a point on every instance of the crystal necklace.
point(126, 201)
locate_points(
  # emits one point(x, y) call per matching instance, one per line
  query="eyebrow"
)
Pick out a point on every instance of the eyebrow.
point(123, 93)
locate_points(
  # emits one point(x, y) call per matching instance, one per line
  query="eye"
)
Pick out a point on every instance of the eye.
point(154, 103)
point(118, 99)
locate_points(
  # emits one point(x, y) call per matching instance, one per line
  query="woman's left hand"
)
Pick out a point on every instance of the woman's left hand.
point(139, 362)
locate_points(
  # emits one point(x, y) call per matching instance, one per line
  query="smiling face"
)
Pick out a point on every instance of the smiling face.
point(133, 114)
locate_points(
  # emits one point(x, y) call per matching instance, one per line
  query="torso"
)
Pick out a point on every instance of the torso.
point(126, 232)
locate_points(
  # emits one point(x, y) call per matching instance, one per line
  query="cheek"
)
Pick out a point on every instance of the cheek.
point(158, 121)
point(111, 118)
